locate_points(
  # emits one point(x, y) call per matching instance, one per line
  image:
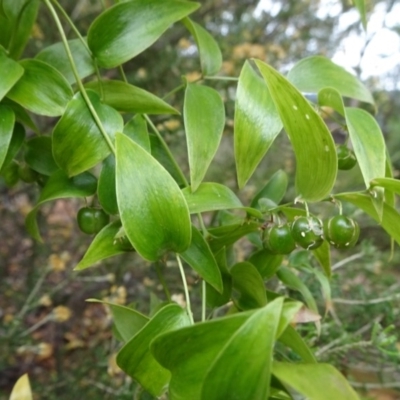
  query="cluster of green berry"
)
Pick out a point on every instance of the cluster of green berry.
point(309, 233)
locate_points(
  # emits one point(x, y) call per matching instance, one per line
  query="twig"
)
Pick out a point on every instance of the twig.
point(347, 260)
point(367, 302)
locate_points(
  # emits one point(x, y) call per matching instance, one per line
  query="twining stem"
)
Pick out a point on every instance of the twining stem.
point(185, 287)
point(78, 81)
point(203, 301)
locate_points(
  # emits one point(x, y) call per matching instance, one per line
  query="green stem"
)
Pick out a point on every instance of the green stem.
point(221, 78)
point(167, 150)
point(162, 281)
point(203, 301)
point(78, 81)
point(177, 89)
point(122, 73)
point(185, 287)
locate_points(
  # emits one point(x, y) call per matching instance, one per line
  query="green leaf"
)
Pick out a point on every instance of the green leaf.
point(128, 98)
point(153, 210)
point(135, 358)
point(22, 389)
point(390, 221)
point(257, 123)
point(331, 98)
point(103, 246)
point(11, 73)
point(314, 73)
point(56, 56)
point(7, 120)
point(136, 129)
point(292, 339)
point(39, 155)
point(210, 54)
point(127, 29)
point(21, 114)
point(210, 196)
point(59, 186)
point(199, 256)
point(204, 117)
point(275, 189)
point(127, 321)
point(245, 362)
point(323, 256)
point(41, 89)
point(106, 190)
point(360, 5)
point(16, 141)
point(248, 282)
point(266, 263)
point(78, 144)
point(315, 381)
point(311, 139)
point(387, 183)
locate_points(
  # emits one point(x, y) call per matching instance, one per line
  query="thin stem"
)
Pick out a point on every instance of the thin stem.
point(167, 150)
point(347, 261)
point(33, 328)
point(221, 78)
point(368, 302)
point(185, 287)
point(177, 89)
point(78, 81)
point(162, 281)
point(203, 301)
point(122, 73)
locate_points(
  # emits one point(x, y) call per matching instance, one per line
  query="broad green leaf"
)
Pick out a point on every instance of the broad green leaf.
point(323, 256)
point(314, 73)
point(257, 123)
point(249, 285)
point(128, 98)
point(245, 362)
point(390, 218)
point(189, 352)
point(210, 54)
point(127, 321)
point(39, 155)
point(331, 98)
point(41, 89)
point(11, 72)
point(59, 186)
point(127, 29)
point(104, 245)
point(204, 117)
point(315, 381)
point(153, 210)
point(311, 139)
point(15, 143)
point(275, 189)
point(135, 358)
point(136, 129)
point(293, 282)
point(56, 56)
point(22, 389)
point(292, 339)
point(210, 196)
point(199, 256)
point(390, 184)
point(7, 120)
point(106, 190)
point(78, 144)
point(266, 263)
point(360, 5)
point(21, 115)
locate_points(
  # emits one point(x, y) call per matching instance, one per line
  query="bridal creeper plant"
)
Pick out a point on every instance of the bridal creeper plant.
point(157, 211)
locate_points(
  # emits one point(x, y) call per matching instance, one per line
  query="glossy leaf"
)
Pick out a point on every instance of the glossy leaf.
point(41, 89)
point(15, 143)
point(204, 117)
point(390, 218)
point(275, 189)
point(315, 381)
point(21, 115)
point(199, 256)
point(106, 190)
point(136, 129)
point(331, 98)
point(292, 339)
point(257, 123)
point(390, 184)
point(266, 263)
point(59, 186)
point(11, 72)
point(56, 56)
point(22, 389)
point(7, 120)
point(315, 73)
point(323, 256)
point(39, 155)
point(132, 27)
point(248, 282)
point(311, 139)
point(128, 322)
point(135, 358)
point(128, 98)
point(210, 197)
point(103, 246)
point(245, 361)
point(153, 210)
point(78, 144)
point(360, 5)
point(210, 54)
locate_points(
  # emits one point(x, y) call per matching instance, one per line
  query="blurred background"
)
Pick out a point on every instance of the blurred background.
point(65, 344)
